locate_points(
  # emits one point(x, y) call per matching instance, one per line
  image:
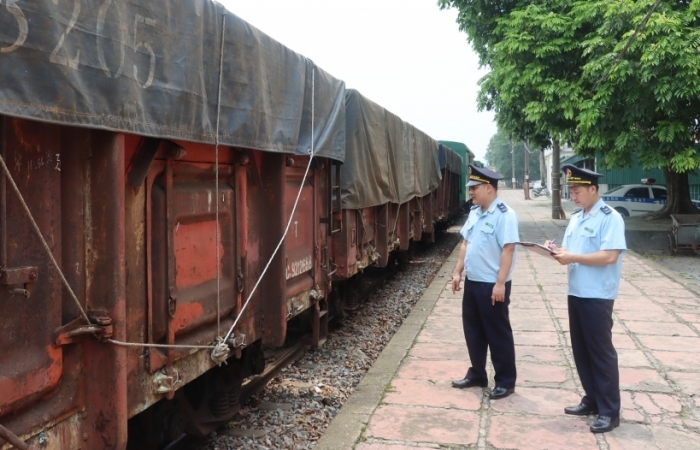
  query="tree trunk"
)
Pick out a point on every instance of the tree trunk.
point(677, 196)
point(543, 168)
point(557, 212)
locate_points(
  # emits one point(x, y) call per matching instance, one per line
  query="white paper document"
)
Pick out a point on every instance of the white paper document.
point(537, 248)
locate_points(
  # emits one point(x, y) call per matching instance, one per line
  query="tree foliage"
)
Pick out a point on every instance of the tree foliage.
point(498, 155)
point(604, 76)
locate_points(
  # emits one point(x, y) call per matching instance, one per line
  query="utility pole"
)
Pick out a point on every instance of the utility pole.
point(556, 181)
point(526, 186)
point(512, 161)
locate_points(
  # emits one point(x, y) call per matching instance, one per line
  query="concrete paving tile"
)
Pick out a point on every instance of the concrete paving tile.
point(677, 361)
point(532, 354)
point(628, 410)
point(564, 324)
point(451, 322)
point(690, 316)
point(561, 314)
point(622, 341)
point(632, 358)
point(678, 310)
point(435, 334)
point(525, 289)
point(440, 426)
point(649, 315)
point(672, 343)
point(536, 400)
point(652, 328)
point(438, 394)
point(647, 380)
point(539, 433)
point(540, 338)
point(527, 303)
point(667, 402)
point(440, 351)
point(419, 369)
point(541, 373)
point(376, 446)
point(635, 304)
point(558, 304)
point(531, 323)
point(447, 310)
point(688, 382)
point(655, 404)
point(678, 292)
point(530, 313)
point(650, 437)
point(686, 302)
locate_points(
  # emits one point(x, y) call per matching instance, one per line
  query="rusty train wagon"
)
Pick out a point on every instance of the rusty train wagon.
point(392, 188)
point(159, 165)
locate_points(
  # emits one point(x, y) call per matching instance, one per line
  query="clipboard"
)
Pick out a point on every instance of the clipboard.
point(538, 248)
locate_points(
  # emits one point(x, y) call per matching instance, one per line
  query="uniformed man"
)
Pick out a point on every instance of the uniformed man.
point(488, 252)
point(592, 250)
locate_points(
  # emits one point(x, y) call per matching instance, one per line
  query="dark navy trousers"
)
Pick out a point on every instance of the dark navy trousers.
point(590, 322)
point(487, 326)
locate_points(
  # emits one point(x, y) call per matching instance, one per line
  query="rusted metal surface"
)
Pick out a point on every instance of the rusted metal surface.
point(12, 439)
point(30, 366)
point(133, 224)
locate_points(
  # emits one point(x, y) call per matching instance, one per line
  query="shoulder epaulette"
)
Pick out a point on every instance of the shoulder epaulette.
point(475, 206)
point(502, 207)
point(606, 209)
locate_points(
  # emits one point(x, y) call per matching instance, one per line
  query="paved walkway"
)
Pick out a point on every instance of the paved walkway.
point(406, 401)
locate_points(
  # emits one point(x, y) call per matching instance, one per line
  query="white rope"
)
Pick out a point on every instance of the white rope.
point(221, 351)
point(43, 241)
point(136, 344)
point(216, 170)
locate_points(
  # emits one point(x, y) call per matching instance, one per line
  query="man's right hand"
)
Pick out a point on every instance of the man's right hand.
point(551, 246)
point(456, 278)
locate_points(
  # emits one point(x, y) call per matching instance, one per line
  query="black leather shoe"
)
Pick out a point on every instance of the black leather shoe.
point(603, 424)
point(581, 410)
point(467, 383)
point(500, 392)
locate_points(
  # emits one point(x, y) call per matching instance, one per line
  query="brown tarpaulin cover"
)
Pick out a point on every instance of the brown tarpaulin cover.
point(387, 160)
point(152, 68)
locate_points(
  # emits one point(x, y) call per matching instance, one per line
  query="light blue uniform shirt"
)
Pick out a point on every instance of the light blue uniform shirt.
point(486, 233)
point(601, 229)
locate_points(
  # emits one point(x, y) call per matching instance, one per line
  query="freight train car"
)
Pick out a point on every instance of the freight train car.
point(170, 200)
point(396, 186)
point(467, 158)
point(152, 174)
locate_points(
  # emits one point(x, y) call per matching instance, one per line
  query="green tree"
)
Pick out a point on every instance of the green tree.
point(566, 70)
point(499, 156)
point(644, 98)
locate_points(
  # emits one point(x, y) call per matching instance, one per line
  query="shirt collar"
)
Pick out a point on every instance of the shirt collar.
point(493, 206)
point(595, 209)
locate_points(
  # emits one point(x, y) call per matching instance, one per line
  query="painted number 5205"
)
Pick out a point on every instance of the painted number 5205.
point(22, 25)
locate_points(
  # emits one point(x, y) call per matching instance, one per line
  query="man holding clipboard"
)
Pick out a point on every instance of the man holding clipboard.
point(592, 251)
point(488, 253)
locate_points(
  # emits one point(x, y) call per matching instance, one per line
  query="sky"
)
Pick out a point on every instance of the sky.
point(406, 55)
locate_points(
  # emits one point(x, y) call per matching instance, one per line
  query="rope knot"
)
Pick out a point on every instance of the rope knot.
point(221, 351)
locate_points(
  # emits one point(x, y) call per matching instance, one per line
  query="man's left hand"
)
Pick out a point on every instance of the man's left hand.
point(499, 293)
point(564, 257)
